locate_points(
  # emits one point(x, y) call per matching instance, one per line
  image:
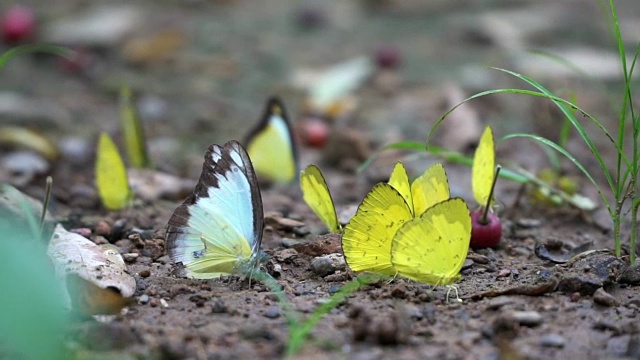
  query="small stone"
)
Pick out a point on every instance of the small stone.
point(130, 257)
point(604, 298)
point(334, 289)
point(144, 273)
point(328, 264)
point(143, 299)
point(528, 223)
point(552, 340)
point(477, 258)
point(154, 302)
point(103, 228)
point(527, 318)
point(272, 312)
point(498, 302)
point(100, 240)
point(286, 255)
point(164, 303)
point(631, 275)
point(468, 263)
point(575, 297)
point(219, 307)
point(503, 273)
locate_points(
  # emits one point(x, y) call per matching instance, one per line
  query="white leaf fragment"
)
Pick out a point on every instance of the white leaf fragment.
point(102, 266)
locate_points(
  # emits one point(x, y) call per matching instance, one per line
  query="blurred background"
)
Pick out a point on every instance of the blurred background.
point(202, 70)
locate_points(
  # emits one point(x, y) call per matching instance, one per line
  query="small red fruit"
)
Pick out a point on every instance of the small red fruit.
point(388, 56)
point(314, 132)
point(18, 24)
point(485, 235)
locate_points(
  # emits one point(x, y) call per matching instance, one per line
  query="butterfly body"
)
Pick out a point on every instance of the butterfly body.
point(218, 228)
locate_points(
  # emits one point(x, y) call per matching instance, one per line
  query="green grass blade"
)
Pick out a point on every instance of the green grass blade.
point(564, 106)
point(458, 158)
point(33, 48)
point(568, 155)
point(299, 333)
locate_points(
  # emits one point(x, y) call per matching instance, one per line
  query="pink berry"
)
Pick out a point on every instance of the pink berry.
point(485, 235)
point(18, 24)
point(388, 56)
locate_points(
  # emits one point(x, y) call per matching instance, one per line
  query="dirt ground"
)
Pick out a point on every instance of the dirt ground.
point(224, 60)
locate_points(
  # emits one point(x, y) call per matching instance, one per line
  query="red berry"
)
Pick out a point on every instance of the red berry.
point(388, 56)
point(485, 235)
point(18, 24)
point(315, 132)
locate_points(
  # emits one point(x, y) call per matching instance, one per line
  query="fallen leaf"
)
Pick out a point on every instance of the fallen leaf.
point(95, 276)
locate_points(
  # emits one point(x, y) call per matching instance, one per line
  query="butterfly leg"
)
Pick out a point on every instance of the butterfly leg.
point(455, 289)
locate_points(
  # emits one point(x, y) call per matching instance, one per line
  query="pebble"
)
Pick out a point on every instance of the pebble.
point(143, 299)
point(468, 263)
point(286, 255)
point(552, 340)
point(527, 318)
point(334, 289)
point(590, 273)
point(604, 298)
point(528, 223)
point(272, 312)
point(144, 273)
point(103, 228)
point(219, 307)
point(630, 275)
point(503, 273)
point(498, 302)
point(477, 258)
point(328, 264)
point(130, 257)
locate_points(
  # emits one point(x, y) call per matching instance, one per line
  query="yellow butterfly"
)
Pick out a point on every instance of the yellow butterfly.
point(432, 248)
point(483, 170)
point(218, 228)
point(366, 242)
point(385, 237)
point(111, 175)
point(428, 189)
point(271, 145)
point(316, 194)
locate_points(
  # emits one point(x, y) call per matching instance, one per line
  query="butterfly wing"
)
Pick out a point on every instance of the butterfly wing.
point(400, 181)
point(432, 248)
point(483, 168)
point(316, 194)
point(271, 146)
point(219, 225)
point(429, 189)
point(366, 241)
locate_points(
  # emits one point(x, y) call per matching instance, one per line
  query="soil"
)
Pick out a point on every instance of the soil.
point(231, 56)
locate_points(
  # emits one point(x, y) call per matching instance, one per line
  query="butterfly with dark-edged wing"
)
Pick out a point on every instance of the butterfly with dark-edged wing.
point(271, 145)
point(218, 229)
